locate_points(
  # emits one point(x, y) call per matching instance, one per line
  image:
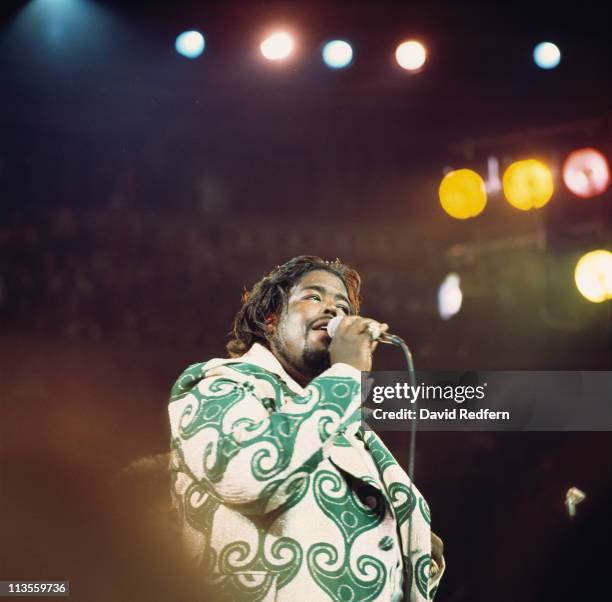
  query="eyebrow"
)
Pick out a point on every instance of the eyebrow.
point(323, 290)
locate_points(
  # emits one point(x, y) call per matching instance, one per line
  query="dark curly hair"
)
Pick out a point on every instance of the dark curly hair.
point(269, 297)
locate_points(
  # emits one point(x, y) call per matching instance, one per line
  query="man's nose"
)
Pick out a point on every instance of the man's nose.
point(330, 308)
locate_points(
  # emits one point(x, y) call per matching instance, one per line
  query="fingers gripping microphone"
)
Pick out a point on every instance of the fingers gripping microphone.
point(374, 330)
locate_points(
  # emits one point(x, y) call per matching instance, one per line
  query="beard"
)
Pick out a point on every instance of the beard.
point(315, 361)
point(309, 364)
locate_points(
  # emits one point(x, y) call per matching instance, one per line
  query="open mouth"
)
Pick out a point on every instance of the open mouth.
point(320, 325)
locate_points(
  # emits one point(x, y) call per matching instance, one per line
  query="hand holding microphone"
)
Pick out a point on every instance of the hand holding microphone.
point(354, 339)
point(377, 331)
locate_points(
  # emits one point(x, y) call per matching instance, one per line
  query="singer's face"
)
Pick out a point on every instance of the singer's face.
point(297, 339)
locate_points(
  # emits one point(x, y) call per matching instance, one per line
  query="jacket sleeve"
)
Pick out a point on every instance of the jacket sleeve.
point(248, 453)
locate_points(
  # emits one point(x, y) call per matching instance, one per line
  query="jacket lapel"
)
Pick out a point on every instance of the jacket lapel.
point(396, 483)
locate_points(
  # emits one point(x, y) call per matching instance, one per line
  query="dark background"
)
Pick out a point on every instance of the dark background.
point(140, 192)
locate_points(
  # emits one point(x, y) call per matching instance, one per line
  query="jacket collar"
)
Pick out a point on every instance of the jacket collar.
point(261, 356)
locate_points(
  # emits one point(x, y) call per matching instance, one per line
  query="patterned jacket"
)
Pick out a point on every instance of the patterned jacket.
point(282, 496)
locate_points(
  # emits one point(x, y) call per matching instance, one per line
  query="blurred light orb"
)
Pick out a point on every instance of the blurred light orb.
point(450, 296)
point(462, 194)
point(190, 44)
point(586, 173)
point(337, 54)
point(528, 184)
point(546, 55)
point(411, 55)
point(593, 275)
point(277, 47)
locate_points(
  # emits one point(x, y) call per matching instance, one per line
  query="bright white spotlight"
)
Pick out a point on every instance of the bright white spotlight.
point(586, 172)
point(450, 296)
point(411, 55)
point(190, 44)
point(546, 55)
point(277, 47)
point(593, 275)
point(337, 54)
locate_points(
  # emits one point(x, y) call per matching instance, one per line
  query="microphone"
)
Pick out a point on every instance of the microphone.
point(381, 337)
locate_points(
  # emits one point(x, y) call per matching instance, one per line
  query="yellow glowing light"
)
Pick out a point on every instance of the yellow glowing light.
point(462, 194)
point(593, 275)
point(586, 172)
point(411, 55)
point(278, 46)
point(528, 184)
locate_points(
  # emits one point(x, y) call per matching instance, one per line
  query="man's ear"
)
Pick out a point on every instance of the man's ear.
point(271, 322)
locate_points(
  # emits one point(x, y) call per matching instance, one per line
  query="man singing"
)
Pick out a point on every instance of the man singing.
point(282, 496)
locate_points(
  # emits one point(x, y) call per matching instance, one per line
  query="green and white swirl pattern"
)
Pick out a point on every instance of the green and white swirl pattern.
point(267, 512)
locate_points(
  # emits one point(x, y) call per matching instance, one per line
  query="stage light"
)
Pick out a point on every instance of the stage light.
point(277, 47)
point(462, 194)
point(62, 31)
point(593, 276)
point(450, 297)
point(411, 55)
point(546, 55)
point(528, 184)
point(65, 3)
point(586, 173)
point(337, 54)
point(190, 44)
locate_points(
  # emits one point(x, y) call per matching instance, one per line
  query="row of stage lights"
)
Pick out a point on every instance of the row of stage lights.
point(338, 54)
point(526, 184)
point(592, 277)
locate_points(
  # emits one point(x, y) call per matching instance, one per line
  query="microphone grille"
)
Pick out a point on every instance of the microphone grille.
point(332, 326)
